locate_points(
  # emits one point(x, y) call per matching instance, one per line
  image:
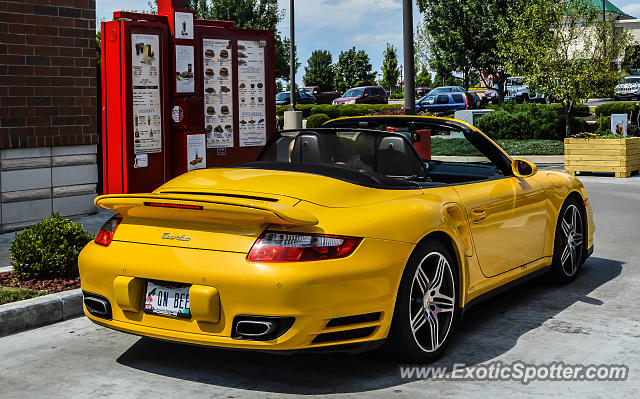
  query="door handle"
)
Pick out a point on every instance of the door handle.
point(478, 215)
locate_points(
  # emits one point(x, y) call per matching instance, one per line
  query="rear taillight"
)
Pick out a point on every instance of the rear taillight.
point(276, 246)
point(466, 100)
point(108, 229)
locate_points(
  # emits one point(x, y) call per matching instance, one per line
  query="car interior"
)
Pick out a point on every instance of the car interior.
point(387, 153)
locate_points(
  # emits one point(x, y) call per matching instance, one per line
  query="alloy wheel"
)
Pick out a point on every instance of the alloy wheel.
point(572, 240)
point(432, 302)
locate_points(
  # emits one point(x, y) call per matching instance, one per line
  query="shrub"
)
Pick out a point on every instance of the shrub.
point(333, 111)
point(48, 249)
point(616, 108)
point(397, 96)
point(280, 110)
point(316, 120)
point(355, 110)
point(576, 110)
point(604, 125)
point(522, 121)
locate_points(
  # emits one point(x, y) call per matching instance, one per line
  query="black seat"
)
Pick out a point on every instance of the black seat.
point(394, 158)
point(310, 148)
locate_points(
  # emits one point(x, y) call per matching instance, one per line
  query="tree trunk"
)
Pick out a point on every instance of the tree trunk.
point(568, 107)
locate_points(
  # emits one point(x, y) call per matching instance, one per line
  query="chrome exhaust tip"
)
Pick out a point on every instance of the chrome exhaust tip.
point(97, 306)
point(254, 328)
point(260, 328)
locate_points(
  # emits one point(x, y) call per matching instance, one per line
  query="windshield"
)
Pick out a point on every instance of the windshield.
point(515, 82)
point(360, 156)
point(282, 96)
point(631, 79)
point(353, 93)
point(428, 100)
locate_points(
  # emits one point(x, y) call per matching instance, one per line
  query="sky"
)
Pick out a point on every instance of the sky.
point(336, 25)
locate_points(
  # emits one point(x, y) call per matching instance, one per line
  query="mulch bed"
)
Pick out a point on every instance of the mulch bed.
point(8, 279)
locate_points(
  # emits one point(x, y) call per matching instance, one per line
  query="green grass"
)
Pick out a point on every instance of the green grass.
point(17, 294)
point(461, 147)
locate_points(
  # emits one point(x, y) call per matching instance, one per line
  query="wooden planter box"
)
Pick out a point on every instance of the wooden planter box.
point(620, 156)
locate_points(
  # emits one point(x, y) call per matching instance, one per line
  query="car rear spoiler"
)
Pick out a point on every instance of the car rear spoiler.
point(194, 208)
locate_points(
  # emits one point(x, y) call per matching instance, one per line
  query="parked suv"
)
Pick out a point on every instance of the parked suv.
point(628, 88)
point(363, 95)
point(515, 89)
point(443, 103)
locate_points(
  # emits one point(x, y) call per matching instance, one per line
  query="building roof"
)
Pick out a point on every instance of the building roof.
point(610, 8)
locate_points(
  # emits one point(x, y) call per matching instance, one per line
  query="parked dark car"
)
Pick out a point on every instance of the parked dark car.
point(302, 97)
point(363, 95)
point(446, 89)
point(422, 91)
point(473, 100)
point(444, 103)
point(322, 97)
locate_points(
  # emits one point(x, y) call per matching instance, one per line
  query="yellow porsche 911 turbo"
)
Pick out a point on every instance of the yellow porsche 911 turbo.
point(336, 238)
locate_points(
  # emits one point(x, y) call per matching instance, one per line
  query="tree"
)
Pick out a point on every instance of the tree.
point(253, 14)
point(319, 70)
point(564, 48)
point(460, 37)
point(353, 69)
point(390, 69)
point(424, 78)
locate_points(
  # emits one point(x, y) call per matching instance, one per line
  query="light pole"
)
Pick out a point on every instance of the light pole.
point(604, 11)
point(292, 59)
point(409, 73)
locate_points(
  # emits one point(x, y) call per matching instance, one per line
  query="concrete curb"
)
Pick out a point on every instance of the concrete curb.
point(40, 311)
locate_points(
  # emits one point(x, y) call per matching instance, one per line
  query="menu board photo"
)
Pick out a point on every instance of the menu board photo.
point(184, 70)
point(183, 25)
point(218, 92)
point(147, 108)
point(251, 93)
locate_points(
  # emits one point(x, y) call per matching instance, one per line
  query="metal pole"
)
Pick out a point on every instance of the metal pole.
point(604, 11)
point(409, 73)
point(292, 59)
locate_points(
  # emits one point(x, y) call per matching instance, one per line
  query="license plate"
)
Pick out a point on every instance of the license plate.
point(167, 299)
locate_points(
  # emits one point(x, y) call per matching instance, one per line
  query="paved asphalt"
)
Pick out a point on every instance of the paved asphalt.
point(594, 320)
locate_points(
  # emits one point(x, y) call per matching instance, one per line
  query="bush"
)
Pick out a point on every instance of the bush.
point(396, 96)
point(604, 125)
point(522, 121)
point(48, 249)
point(576, 110)
point(333, 111)
point(616, 108)
point(355, 110)
point(317, 120)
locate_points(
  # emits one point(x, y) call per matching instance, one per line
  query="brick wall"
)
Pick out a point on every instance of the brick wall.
point(47, 73)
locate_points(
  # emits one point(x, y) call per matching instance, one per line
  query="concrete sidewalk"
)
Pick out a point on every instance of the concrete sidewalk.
point(91, 223)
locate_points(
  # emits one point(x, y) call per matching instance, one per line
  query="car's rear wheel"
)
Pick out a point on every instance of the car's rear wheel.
point(426, 308)
point(568, 249)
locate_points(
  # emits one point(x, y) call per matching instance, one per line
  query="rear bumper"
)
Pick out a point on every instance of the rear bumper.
point(311, 292)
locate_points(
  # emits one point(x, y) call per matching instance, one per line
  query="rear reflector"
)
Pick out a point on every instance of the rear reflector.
point(275, 246)
point(173, 205)
point(108, 229)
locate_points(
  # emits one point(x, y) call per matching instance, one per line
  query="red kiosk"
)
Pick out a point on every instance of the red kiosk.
point(181, 94)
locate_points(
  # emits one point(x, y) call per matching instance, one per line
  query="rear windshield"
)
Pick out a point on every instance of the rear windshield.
point(364, 157)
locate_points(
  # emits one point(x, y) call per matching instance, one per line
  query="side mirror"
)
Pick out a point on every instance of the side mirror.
point(523, 168)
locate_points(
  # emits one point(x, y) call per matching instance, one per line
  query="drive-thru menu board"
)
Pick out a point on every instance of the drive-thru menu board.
point(218, 92)
point(251, 90)
point(145, 78)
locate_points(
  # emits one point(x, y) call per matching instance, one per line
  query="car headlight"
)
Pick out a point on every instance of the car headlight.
point(351, 102)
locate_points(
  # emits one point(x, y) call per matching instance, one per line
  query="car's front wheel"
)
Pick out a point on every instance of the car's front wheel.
point(426, 308)
point(568, 250)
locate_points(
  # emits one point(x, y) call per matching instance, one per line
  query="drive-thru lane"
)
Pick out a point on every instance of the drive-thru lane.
point(594, 320)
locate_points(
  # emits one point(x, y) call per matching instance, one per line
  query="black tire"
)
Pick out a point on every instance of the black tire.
point(439, 312)
point(569, 242)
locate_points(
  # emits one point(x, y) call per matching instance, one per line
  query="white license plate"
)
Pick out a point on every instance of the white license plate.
point(167, 300)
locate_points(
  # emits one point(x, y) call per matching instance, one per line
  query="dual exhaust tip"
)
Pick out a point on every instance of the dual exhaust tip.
point(260, 328)
point(97, 305)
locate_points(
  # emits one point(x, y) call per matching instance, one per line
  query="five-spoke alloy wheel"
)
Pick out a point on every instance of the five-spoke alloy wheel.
point(426, 306)
point(569, 242)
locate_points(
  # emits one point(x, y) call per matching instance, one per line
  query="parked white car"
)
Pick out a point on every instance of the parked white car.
point(515, 89)
point(628, 88)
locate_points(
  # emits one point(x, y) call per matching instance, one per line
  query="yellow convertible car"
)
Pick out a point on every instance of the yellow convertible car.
point(341, 237)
